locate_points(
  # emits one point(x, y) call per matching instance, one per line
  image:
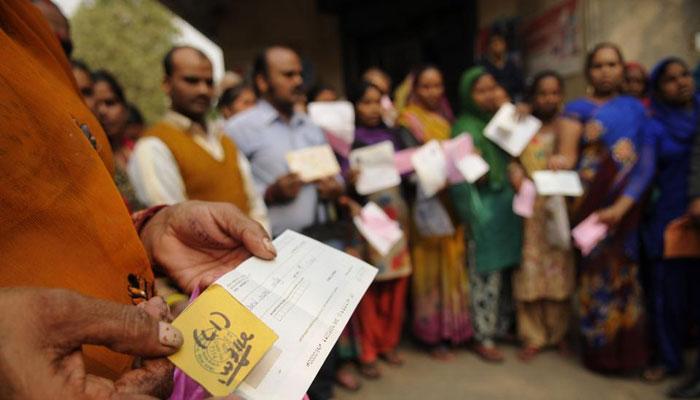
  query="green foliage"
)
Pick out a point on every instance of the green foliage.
point(128, 38)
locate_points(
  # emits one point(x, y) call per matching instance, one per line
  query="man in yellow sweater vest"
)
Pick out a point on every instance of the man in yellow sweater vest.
point(180, 157)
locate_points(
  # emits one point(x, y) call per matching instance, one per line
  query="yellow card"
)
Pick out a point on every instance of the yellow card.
point(222, 341)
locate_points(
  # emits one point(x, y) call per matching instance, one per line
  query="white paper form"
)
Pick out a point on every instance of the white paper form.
point(509, 133)
point(473, 167)
point(552, 183)
point(306, 295)
point(430, 164)
point(336, 117)
point(377, 168)
point(313, 163)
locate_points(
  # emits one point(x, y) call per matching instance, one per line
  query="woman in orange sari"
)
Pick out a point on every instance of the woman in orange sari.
point(439, 280)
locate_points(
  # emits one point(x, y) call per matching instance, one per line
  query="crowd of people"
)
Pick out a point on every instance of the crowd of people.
point(480, 276)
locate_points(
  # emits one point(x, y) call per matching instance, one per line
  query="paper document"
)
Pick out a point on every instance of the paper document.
point(431, 167)
point(455, 149)
point(376, 166)
point(380, 231)
point(306, 295)
point(589, 233)
point(222, 341)
point(313, 163)
point(551, 183)
point(473, 167)
point(524, 200)
point(511, 134)
point(335, 117)
point(402, 160)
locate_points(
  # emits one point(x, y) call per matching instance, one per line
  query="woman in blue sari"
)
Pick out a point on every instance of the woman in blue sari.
point(616, 176)
point(604, 71)
point(674, 124)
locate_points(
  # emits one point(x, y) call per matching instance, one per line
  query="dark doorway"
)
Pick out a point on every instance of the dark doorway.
point(399, 35)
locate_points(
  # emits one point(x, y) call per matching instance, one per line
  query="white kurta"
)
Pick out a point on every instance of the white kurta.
point(155, 174)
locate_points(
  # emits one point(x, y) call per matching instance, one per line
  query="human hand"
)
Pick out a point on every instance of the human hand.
point(612, 215)
point(285, 188)
point(522, 111)
point(196, 242)
point(516, 175)
point(559, 162)
point(329, 188)
point(43, 334)
point(354, 207)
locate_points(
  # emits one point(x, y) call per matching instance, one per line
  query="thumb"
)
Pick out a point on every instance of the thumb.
point(240, 227)
point(122, 328)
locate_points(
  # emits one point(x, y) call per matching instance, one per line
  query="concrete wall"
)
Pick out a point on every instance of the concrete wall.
point(646, 30)
point(250, 25)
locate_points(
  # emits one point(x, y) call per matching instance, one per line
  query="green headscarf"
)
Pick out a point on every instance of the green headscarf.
point(473, 120)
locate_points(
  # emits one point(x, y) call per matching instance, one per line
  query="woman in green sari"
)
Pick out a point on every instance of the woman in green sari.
point(486, 208)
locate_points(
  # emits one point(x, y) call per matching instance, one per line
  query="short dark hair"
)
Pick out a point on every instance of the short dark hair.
point(135, 116)
point(420, 70)
point(80, 65)
point(548, 73)
point(591, 55)
point(261, 65)
point(358, 90)
point(231, 94)
point(317, 89)
point(107, 77)
point(168, 58)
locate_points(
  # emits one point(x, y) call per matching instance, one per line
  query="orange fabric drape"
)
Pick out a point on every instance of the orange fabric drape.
point(62, 220)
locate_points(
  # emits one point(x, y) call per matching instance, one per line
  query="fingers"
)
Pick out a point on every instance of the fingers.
point(75, 320)
point(154, 378)
point(253, 236)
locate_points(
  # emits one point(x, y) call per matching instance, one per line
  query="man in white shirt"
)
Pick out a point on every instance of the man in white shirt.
point(182, 157)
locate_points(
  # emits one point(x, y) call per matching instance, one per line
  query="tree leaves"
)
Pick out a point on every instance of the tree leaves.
point(128, 38)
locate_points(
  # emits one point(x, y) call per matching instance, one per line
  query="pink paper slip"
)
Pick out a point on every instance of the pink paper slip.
point(524, 200)
point(402, 159)
point(337, 144)
point(455, 150)
point(589, 233)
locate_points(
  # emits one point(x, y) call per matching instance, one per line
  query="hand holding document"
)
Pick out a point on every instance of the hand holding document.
point(524, 200)
point(509, 133)
point(306, 296)
point(564, 183)
point(430, 164)
point(589, 233)
point(313, 163)
point(380, 231)
point(376, 166)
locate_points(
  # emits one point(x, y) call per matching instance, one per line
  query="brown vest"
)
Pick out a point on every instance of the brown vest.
point(63, 223)
point(205, 177)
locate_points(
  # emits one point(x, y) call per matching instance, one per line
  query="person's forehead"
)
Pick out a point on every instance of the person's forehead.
point(283, 59)
point(102, 90)
point(190, 61)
